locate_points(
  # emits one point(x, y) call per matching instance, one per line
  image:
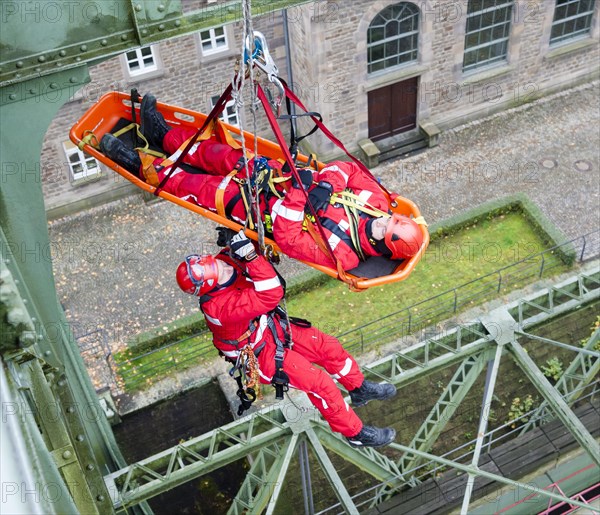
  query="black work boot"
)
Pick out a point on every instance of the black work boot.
point(371, 436)
point(116, 150)
point(152, 125)
point(369, 391)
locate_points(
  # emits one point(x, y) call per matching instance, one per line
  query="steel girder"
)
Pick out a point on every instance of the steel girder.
point(273, 440)
point(70, 34)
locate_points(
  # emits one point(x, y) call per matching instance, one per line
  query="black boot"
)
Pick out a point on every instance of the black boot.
point(152, 125)
point(116, 150)
point(371, 436)
point(369, 391)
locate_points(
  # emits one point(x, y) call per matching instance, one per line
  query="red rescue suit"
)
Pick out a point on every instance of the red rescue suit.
point(218, 159)
point(245, 303)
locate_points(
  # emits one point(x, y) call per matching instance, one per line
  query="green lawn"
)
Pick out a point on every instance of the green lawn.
point(449, 262)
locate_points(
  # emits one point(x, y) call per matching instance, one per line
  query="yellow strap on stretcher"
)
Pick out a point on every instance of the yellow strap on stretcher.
point(347, 198)
point(220, 194)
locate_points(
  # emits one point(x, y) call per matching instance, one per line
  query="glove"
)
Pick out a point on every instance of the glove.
point(306, 177)
point(319, 196)
point(241, 247)
point(225, 235)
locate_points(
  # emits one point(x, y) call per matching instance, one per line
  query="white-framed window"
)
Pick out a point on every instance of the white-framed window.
point(81, 165)
point(213, 41)
point(393, 37)
point(141, 60)
point(228, 115)
point(572, 19)
point(487, 32)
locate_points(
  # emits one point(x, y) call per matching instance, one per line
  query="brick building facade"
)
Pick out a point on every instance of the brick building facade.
point(381, 73)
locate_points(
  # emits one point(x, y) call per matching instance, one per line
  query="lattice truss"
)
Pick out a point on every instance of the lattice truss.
point(272, 438)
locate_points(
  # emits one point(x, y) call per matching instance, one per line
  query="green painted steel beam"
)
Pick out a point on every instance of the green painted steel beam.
point(490, 385)
point(555, 300)
point(196, 457)
point(279, 480)
point(58, 441)
point(258, 488)
point(40, 37)
point(430, 356)
point(334, 479)
point(449, 401)
point(555, 401)
point(370, 461)
point(581, 372)
point(488, 475)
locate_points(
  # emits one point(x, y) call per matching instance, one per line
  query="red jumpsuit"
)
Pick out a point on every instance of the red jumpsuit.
point(218, 159)
point(229, 313)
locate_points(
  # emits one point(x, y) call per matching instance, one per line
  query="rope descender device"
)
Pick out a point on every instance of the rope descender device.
point(258, 51)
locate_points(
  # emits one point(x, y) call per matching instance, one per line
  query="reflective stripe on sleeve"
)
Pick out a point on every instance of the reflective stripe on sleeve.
point(289, 214)
point(212, 320)
point(364, 195)
point(267, 284)
point(335, 168)
point(333, 241)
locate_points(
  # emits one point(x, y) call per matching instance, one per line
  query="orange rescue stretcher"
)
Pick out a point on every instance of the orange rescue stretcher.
point(112, 108)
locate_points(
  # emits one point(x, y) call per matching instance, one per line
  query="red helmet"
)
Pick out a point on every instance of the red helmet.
point(403, 237)
point(197, 275)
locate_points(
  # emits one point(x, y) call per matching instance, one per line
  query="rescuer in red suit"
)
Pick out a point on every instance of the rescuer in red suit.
point(239, 296)
point(396, 236)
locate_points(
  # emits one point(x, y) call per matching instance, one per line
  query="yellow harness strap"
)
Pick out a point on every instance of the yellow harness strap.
point(351, 200)
point(145, 148)
point(89, 138)
point(148, 169)
point(220, 194)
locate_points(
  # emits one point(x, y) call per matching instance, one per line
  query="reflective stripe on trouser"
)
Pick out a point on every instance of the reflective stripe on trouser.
point(313, 346)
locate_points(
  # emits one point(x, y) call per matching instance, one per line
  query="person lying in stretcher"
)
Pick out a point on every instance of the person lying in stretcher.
point(353, 235)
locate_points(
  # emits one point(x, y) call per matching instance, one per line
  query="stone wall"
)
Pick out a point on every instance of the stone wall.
point(328, 41)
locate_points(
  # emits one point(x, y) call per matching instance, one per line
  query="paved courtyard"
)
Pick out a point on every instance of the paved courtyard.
point(114, 265)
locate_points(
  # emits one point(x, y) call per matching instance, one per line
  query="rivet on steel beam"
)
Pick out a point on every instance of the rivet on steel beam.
point(161, 26)
point(83, 48)
point(70, 409)
point(62, 53)
point(17, 75)
point(37, 69)
point(161, 7)
point(12, 96)
point(41, 59)
point(100, 498)
point(104, 42)
point(47, 353)
point(53, 85)
point(19, 64)
point(177, 23)
point(124, 37)
point(61, 382)
point(77, 59)
point(32, 92)
point(79, 438)
point(90, 467)
point(138, 7)
point(72, 80)
point(66, 455)
point(144, 32)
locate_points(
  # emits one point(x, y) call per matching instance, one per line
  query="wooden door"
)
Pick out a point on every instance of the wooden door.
point(393, 109)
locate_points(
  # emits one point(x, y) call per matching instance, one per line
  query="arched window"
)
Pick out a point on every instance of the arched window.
point(393, 37)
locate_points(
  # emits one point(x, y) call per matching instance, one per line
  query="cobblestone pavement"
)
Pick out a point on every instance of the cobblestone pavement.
point(114, 265)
